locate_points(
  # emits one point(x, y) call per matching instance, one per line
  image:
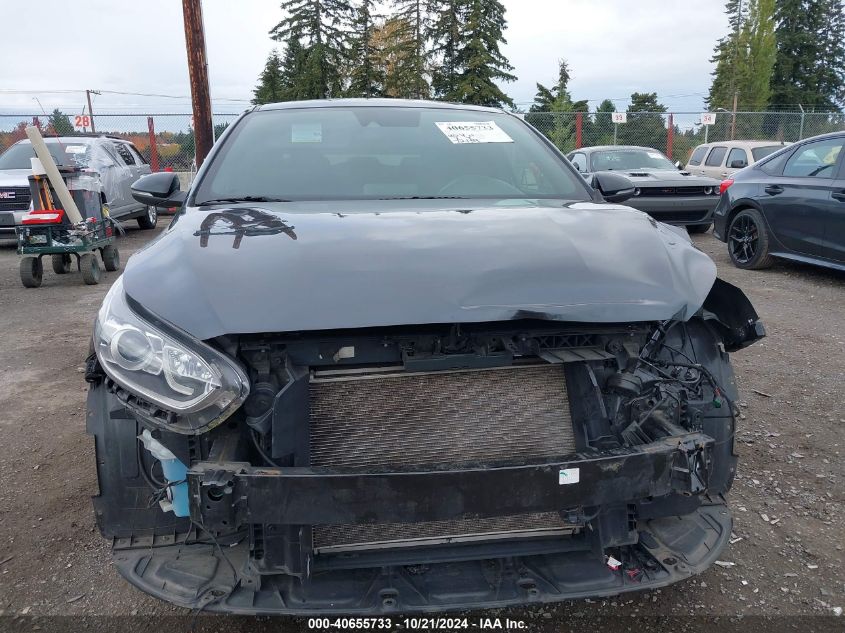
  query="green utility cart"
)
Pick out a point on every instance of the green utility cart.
point(46, 231)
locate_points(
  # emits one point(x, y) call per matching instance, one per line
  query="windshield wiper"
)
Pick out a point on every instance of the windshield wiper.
point(424, 198)
point(243, 199)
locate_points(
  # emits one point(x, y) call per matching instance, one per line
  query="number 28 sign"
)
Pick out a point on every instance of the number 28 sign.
point(81, 121)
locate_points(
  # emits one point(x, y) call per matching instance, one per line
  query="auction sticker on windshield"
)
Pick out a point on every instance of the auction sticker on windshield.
point(474, 132)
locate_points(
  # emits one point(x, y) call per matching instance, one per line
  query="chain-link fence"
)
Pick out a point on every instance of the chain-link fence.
point(166, 141)
point(677, 133)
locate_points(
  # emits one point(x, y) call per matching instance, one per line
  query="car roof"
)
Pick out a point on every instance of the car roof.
point(381, 103)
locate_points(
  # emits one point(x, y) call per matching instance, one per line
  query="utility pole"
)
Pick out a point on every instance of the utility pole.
point(88, 94)
point(734, 87)
point(198, 72)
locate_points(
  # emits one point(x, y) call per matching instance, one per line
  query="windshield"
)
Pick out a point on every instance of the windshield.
point(66, 154)
point(627, 159)
point(762, 152)
point(378, 152)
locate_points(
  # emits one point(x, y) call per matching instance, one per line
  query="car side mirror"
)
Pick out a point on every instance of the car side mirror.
point(613, 187)
point(737, 164)
point(159, 190)
point(678, 165)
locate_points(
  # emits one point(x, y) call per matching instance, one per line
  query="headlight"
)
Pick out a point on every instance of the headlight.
point(637, 191)
point(708, 191)
point(167, 368)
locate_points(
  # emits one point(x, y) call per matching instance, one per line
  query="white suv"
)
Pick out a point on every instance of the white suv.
point(721, 159)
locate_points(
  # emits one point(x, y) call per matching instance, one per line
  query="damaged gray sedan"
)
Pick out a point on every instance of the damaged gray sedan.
point(397, 356)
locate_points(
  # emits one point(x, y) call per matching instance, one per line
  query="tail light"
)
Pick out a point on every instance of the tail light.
point(724, 186)
point(52, 216)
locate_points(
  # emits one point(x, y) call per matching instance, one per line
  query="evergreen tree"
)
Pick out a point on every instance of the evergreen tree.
point(59, 123)
point(559, 123)
point(322, 29)
point(449, 17)
point(478, 60)
point(544, 100)
point(645, 121)
point(810, 61)
point(726, 58)
point(366, 73)
point(601, 128)
point(745, 58)
point(270, 88)
point(409, 47)
point(831, 69)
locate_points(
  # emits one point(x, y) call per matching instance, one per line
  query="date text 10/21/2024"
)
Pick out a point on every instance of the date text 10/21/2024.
point(418, 623)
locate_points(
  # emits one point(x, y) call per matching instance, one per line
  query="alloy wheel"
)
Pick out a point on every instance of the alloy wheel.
point(744, 239)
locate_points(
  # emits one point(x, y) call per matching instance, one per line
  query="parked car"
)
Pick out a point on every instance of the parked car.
point(662, 190)
point(117, 163)
point(410, 360)
point(720, 160)
point(791, 205)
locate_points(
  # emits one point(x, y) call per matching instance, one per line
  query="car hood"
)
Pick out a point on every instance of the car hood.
point(300, 266)
point(14, 177)
point(646, 177)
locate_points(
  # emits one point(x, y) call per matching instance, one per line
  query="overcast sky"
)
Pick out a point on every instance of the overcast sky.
point(614, 47)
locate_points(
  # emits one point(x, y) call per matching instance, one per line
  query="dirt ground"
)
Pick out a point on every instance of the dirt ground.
point(786, 557)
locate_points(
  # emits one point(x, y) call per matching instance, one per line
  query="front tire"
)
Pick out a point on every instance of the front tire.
point(32, 272)
point(90, 269)
point(748, 241)
point(148, 220)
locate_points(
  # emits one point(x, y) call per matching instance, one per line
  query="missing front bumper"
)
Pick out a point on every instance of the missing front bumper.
point(669, 550)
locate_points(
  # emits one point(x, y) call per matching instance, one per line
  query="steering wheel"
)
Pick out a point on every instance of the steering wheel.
point(472, 185)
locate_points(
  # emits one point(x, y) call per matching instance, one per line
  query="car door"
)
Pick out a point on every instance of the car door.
point(129, 175)
point(737, 159)
point(112, 170)
point(833, 245)
point(713, 164)
point(798, 202)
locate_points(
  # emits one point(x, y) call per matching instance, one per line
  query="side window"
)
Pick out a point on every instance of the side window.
point(714, 159)
point(737, 154)
point(698, 155)
point(137, 155)
point(815, 160)
point(580, 161)
point(124, 153)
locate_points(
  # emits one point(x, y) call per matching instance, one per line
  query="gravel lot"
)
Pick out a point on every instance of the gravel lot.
point(786, 557)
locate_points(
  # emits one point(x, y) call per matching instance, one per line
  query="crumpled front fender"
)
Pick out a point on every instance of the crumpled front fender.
point(728, 307)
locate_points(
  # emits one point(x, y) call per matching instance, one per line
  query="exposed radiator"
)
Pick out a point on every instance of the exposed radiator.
point(447, 417)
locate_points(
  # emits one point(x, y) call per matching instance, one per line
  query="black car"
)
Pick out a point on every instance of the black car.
point(791, 205)
point(398, 356)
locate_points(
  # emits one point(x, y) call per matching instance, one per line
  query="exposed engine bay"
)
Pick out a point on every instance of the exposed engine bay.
point(430, 467)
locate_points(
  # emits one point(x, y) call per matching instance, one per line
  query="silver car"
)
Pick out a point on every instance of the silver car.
point(116, 163)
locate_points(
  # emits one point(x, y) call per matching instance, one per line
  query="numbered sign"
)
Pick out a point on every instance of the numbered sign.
point(708, 118)
point(619, 117)
point(81, 122)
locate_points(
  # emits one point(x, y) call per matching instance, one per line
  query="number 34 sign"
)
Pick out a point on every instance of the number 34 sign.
point(81, 121)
